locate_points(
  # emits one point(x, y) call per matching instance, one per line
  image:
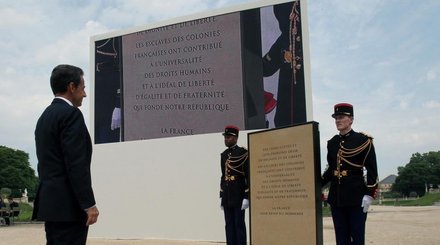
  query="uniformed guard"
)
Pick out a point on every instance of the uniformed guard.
point(352, 173)
point(234, 188)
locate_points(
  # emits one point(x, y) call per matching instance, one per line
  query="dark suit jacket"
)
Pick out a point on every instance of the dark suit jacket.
point(64, 152)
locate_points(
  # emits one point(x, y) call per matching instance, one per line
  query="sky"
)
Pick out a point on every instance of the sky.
point(381, 56)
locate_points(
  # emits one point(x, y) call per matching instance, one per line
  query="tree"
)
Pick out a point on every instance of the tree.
point(422, 170)
point(16, 173)
point(5, 192)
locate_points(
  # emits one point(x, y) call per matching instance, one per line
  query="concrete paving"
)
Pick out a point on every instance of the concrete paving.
point(385, 226)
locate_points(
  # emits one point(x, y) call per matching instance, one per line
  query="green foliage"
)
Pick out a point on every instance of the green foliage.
point(25, 212)
point(326, 211)
point(388, 195)
point(427, 200)
point(16, 173)
point(5, 192)
point(422, 169)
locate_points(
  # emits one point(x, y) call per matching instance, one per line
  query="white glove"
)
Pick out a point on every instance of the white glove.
point(244, 204)
point(116, 118)
point(366, 202)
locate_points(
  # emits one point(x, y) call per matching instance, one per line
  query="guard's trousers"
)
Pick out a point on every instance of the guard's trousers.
point(349, 223)
point(235, 226)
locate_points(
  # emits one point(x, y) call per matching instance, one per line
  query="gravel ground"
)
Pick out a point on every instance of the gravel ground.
point(385, 225)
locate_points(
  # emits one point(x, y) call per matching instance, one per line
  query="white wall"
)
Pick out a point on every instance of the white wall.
point(164, 188)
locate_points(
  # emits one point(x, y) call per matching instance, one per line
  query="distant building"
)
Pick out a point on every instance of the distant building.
point(386, 184)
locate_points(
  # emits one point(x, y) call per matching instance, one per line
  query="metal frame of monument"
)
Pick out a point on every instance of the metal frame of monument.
point(284, 185)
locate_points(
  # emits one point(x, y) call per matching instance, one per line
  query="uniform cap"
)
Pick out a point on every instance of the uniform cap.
point(231, 130)
point(343, 109)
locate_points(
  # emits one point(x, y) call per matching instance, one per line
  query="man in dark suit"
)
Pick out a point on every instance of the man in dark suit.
point(64, 199)
point(351, 193)
point(234, 187)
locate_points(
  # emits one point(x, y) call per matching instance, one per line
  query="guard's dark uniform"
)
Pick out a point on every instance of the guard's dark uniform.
point(233, 189)
point(234, 180)
point(108, 83)
point(348, 156)
point(291, 105)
